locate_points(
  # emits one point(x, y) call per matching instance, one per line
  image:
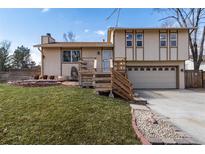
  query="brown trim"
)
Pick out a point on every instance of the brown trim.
point(101, 58)
point(188, 44)
point(114, 45)
point(168, 44)
point(177, 45)
point(177, 77)
point(125, 45)
point(81, 53)
point(134, 45)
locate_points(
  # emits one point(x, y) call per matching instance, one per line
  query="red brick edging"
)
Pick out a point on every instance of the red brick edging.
point(139, 135)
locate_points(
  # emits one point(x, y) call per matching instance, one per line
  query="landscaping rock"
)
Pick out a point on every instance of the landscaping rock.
point(157, 128)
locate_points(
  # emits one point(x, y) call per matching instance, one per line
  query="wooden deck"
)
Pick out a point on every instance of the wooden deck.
point(114, 81)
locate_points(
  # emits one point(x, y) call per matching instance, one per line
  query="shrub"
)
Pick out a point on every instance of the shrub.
point(45, 76)
point(36, 77)
point(52, 77)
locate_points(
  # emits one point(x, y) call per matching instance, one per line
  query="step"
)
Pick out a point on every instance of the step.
point(103, 85)
point(103, 89)
point(102, 79)
point(139, 100)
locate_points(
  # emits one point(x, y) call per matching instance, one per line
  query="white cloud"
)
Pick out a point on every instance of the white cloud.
point(86, 30)
point(101, 32)
point(45, 10)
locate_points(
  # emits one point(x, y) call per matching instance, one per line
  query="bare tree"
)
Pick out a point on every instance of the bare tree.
point(190, 17)
point(69, 37)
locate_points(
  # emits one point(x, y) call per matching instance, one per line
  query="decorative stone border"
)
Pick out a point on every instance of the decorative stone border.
point(183, 139)
point(138, 134)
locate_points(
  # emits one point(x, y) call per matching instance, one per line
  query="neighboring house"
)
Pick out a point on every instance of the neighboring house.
point(189, 65)
point(155, 57)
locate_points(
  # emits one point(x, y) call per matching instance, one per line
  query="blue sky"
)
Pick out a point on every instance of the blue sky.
point(25, 26)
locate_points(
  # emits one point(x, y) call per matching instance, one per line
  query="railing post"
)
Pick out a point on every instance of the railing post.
point(94, 71)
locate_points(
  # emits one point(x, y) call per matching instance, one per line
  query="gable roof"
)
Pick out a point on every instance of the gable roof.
point(75, 44)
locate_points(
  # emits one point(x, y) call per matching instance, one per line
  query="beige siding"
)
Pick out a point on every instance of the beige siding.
point(173, 53)
point(152, 50)
point(66, 69)
point(129, 53)
point(182, 45)
point(139, 53)
point(151, 45)
point(52, 61)
point(163, 54)
point(93, 53)
point(119, 44)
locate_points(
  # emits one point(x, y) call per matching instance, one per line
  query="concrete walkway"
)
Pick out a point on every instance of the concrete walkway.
point(185, 108)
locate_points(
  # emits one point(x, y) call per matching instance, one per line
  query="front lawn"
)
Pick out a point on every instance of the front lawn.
point(62, 115)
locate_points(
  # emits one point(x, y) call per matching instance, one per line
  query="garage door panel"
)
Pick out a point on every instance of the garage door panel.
point(153, 79)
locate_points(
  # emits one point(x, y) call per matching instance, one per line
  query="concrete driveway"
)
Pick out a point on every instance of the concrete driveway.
point(185, 108)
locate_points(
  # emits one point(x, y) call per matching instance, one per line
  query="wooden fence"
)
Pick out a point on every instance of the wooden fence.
point(194, 79)
point(22, 74)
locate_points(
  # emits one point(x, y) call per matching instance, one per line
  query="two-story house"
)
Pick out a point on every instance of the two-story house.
point(155, 57)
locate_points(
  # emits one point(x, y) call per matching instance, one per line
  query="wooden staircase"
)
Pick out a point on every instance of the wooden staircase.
point(114, 81)
point(86, 71)
point(122, 86)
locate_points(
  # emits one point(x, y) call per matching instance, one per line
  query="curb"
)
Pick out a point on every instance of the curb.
point(138, 134)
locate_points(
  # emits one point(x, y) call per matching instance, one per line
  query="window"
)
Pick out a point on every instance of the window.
point(154, 69)
point(129, 69)
point(142, 69)
point(173, 39)
point(71, 56)
point(136, 68)
point(163, 39)
point(166, 69)
point(147, 69)
point(129, 39)
point(139, 40)
point(160, 69)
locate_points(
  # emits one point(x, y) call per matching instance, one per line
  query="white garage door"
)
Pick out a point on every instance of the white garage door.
point(152, 77)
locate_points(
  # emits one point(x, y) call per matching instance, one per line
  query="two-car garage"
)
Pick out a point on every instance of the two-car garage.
point(153, 77)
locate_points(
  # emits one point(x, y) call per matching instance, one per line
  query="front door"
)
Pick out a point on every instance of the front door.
point(106, 56)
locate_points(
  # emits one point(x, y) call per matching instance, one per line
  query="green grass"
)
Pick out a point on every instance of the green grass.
point(62, 115)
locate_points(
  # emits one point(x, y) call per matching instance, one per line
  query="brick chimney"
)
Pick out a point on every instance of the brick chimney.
point(46, 39)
